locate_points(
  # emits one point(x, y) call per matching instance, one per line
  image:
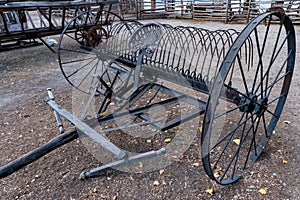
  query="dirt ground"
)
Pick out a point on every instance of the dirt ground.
point(27, 122)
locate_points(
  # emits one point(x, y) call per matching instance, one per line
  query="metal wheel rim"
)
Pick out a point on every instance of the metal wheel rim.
point(218, 85)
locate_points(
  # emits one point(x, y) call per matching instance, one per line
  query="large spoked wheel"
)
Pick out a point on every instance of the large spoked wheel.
point(79, 46)
point(248, 96)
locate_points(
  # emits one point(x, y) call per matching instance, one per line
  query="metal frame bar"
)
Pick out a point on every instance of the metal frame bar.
point(48, 25)
point(87, 130)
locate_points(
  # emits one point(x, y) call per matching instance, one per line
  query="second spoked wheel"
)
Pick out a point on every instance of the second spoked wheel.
point(80, 44)
point(248, 96)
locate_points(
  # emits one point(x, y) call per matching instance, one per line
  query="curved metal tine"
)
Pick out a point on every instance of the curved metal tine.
point(179, 45)
point(194, 42)
point(187, 33)
point(160, 55)
point(200, 50)
point(184, 49)
point(171, 43)
point(208, 44)
point(229, 41)
point(250, 57)
point(165, 47)
point(186, 52)
point(200, 43)
point(113, 41)
point(117, 43)
point(181, 50)
point(217, 38)
point(167, 43)
point(200, 46)
point(126, 34)
point(203, 49)
point(218, 42)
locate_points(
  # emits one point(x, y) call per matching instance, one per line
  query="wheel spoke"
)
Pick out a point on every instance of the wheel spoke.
point(273, 53)
point(240, 123)
point(76, 71)
point(265, 126)
point(73, 38)
point(260, 55)
point(272, 60)
point(277, 79)
point(85, 77)
point(242, 73)
point(229, 111)
point(77, 51)
point(79, 60)
point(236, 155)
point(275, 99)
point(253, 140)
point(280, 48)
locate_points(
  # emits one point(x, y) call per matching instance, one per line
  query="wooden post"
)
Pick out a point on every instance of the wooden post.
point(249, 10)
point(153, 5)
point(227, 9)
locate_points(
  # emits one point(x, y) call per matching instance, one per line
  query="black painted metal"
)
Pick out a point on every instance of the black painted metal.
point(200, 59)
point(246, 81)
point(37, 153)
point(33, 20)
point(262, 89)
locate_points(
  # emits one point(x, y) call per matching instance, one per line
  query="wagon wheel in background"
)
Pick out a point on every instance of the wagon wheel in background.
point(82, 16)
point(248, 96)
point(80, 36)
point(96, 35)
point(77, 55)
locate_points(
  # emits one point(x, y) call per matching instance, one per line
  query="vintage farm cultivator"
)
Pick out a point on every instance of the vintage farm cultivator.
point(143, 92)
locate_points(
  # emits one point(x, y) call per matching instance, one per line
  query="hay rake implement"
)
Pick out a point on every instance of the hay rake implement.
point(136, 85)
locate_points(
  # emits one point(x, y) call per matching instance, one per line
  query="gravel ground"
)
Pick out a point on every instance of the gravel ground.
point(26, 122)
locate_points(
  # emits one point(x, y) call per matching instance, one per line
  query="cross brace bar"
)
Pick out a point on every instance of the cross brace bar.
point(87, 130)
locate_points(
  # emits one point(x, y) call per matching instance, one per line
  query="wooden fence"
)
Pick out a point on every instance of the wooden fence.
point(235, 11)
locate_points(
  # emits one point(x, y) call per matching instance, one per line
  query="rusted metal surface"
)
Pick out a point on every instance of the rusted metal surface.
point(35, 20)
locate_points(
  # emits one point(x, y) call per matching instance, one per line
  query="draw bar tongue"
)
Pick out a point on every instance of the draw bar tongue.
point(85, 129)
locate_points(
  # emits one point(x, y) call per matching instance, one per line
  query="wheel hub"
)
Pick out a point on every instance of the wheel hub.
point(261, 106)
point(248, 103)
